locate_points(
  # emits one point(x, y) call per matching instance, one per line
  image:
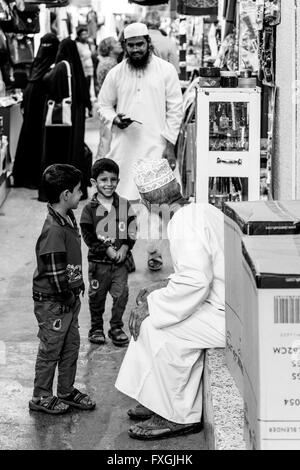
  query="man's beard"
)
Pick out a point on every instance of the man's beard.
point(139, 63)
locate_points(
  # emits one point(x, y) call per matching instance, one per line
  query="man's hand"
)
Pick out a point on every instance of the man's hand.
point(143, 294)
point(111, 253)
point(137, 316)
point(122, 122)
point(169, 154)
point(121, 254)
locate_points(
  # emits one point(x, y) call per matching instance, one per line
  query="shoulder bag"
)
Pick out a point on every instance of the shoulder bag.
point(59, 114)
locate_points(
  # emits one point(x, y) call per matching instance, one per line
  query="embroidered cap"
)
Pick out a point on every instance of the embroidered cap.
point(152, 174)
point(135, 29)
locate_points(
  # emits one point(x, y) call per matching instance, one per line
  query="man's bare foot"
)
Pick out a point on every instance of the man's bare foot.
point(159, 428)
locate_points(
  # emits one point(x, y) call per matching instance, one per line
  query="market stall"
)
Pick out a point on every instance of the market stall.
point(19, 22)
point(21, 25)
point(232, 44)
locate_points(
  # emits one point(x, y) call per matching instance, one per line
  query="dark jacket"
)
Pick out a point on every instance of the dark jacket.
point(101, 229)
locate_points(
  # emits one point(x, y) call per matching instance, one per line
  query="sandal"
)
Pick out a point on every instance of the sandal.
point(79, 400)
point(51, 405)
point(118, 336)
point(98, 337)
point(155, 264)
point(159, 428)
point(140, 412)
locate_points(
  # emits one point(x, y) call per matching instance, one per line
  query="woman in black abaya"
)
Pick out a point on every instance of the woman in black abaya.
point(27, 165)
point(66, 144)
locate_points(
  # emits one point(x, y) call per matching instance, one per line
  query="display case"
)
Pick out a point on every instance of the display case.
point(228, 144)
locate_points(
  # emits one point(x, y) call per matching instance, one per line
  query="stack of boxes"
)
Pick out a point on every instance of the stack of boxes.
point(261, 221)
point(271, 341)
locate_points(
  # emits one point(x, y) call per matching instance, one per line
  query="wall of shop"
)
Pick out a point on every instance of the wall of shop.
point(286, 162)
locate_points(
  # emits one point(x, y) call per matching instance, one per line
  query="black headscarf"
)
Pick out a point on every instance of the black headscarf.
point(68, 51)
point(45, 57)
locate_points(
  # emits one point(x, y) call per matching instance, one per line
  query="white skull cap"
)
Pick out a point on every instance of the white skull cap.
point(152, 174)
point(135, 29)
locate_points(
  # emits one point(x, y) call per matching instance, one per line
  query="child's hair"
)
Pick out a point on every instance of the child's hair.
point(104, 164)
point(57, 178)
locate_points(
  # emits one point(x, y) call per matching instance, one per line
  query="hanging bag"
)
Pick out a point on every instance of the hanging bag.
point(22, 21)
point(59, 114)
point(21, 48)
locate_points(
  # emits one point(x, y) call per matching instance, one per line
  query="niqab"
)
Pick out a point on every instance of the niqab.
point(45, 57)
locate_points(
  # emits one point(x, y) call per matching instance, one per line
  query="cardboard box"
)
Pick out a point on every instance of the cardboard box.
point(271, 341)
point(248, 218)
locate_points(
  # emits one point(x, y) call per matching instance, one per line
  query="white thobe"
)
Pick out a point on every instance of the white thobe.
point(162, 370)
point(153, 97)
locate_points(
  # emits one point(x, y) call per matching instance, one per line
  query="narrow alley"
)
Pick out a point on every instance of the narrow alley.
point(21, 218)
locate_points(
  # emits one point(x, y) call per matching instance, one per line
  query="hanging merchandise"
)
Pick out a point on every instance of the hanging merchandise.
point(21, 48)
point(271, 17)
point(4, 12)
point(272, 12)
point(229, 14)
point(24, 21)
point(266, 56)
point(260, 8)
point(197, 7)
point(248, 36)
point(228, 55)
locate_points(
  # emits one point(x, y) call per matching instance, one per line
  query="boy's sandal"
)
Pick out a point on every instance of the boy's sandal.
point(51, 405)
point(79, 400)
point(159, 428)
point(98, 337)
point(155, 264)
point(118, 336)
point(140, 412)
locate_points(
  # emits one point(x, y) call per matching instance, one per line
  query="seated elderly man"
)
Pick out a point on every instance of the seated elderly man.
point(171, 326)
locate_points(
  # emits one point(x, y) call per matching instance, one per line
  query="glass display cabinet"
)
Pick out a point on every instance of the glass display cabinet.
point(228, 144)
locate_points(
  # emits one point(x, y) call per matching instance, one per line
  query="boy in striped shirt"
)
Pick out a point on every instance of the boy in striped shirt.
point(57, 284)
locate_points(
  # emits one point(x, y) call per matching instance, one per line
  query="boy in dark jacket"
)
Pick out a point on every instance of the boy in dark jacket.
point(57, 284)
point(108, 227)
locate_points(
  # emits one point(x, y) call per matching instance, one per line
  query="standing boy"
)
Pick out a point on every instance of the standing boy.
point(57, 284)
point(108, 228)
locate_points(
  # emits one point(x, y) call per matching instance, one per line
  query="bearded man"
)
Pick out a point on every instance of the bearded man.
point(174, 323)
point(142, 88)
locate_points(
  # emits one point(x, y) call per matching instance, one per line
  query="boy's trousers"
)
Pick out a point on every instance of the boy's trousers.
point(104, 278)
point(59, 346)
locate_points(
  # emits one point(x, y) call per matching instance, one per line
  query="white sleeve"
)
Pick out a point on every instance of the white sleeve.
point(174, 106)
point(189, 286)
point(107, 99)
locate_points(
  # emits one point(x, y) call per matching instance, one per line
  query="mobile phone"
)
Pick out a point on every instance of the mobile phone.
point(124, 118)
point(134, 120)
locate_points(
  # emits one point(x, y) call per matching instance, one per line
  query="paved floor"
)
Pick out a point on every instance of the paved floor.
point(21, 218)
